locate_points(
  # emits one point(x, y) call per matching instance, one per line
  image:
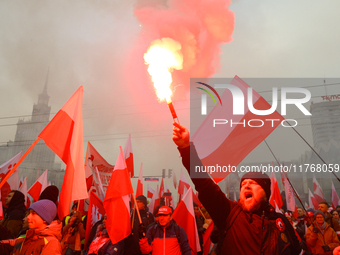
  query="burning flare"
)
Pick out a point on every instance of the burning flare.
point(162, 56)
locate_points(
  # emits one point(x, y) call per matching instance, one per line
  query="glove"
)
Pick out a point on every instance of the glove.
point(316, 230)
point(141, 231)
point(326, 248)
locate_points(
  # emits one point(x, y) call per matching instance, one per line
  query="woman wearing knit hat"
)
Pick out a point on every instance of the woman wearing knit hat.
point(42, 236)
point(320, 237)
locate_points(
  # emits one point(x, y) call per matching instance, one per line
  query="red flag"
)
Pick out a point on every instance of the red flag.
point(182, 183)
point(38, 186)
point(116, 202)
point(318, 194)
point(235, 140)
point(150, 192)
point(312, 201)
point(64, 135)
point(128, 155)
point(276, 196)
point(206, 239)
point(174, 179)
point(196, 200)
point(4, 169)
point(95, 213)
point(334, 197)
point(184, 216)
point(139, 190)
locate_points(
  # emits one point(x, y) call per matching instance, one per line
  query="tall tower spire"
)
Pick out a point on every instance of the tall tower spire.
point(41, 110)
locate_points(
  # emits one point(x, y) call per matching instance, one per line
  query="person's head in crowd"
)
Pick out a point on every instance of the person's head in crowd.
point(155, 212)
point(100, 228)
point(164, 216)
point(141, 202)
point(323, 207)
point(41, 214)
point(319, 217)
point(104, 221)
point(335, 214)
point(25, 221)
point(196, 210)
point(74, 207)
point(255, 191)
point(338, 208)
point(15, 198)
point(51, 193)
point(309, 217)
point(300, 212)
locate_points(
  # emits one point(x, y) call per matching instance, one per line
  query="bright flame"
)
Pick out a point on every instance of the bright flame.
point(162, 56)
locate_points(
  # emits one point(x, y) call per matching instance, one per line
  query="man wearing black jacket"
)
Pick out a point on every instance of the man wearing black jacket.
point(249, 227)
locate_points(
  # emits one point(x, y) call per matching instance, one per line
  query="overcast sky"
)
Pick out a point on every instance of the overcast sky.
point(94, 44)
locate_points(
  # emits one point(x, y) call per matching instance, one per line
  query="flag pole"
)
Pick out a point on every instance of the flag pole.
point(202, 213)
point(286, 175)
point(134, 199)
point(18, 163)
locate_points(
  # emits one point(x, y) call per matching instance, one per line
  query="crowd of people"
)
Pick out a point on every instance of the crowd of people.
point(249, 226)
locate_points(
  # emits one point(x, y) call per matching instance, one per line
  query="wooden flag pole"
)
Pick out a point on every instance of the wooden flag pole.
point(134, 199)
point(202, 213)
point(19, 162)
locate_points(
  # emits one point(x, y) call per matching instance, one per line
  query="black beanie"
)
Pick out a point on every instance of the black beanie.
point(262, 179)
point(50, 193)
point(142, 199)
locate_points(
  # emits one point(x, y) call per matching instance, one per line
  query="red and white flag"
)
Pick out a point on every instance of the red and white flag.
point(207, 240)
point(238, 137)
point(318, 194)
point(289, 196)
point(184, 216)
point(161, 189)
point(64, 135)
point(151, 192)
point(174, 179)
point(95, 213)
point(275, 191)
point(23, 190)
point(116, 202)
point(313, 203)
point(38, 186)
point(139, 190)
point(334, 197)
point(154, 200)
point(182, 183)
point(4, 169)
point(128, 155)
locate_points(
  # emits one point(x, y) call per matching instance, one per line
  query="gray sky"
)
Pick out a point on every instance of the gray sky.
point(93, 43)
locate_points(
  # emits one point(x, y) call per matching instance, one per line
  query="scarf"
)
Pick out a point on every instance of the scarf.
point(322, 227)
point(97, 244)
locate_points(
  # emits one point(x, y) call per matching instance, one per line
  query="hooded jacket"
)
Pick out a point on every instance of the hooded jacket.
point(315, 241)
point(12, 220)
point(45, 242)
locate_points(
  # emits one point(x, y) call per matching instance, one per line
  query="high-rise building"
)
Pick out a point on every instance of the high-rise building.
point(41, 157)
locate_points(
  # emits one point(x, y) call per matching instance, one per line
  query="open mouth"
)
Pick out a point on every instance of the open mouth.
point(248, 196)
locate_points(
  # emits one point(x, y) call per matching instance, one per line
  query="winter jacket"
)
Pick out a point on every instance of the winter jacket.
point(45, 242)
point(12, 220)
point(260, 232)
point(132, 242)
point(333, 223)
point(162, 241)
point(315, 241)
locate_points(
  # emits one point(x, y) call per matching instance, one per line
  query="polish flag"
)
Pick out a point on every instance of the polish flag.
point(174, 179)
point(129, 157)
point(182, 183)
point(38, 186)
point(196, 200)
point(334, 197)
point(169, 199)
point(237, 138)
point(184, 216)
point(116, 202)
point(276, 196)
point(150, 192)
point(154, 200)
point(206, 239)
point(277, 209)
point(21, 181)
point(161, 189)
point(23, 190)
point(64, 135)
point(95, 213)
point(291, 205)
point(318, 194)
point(4, 169)
point(139, 190)
point(313, 203)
